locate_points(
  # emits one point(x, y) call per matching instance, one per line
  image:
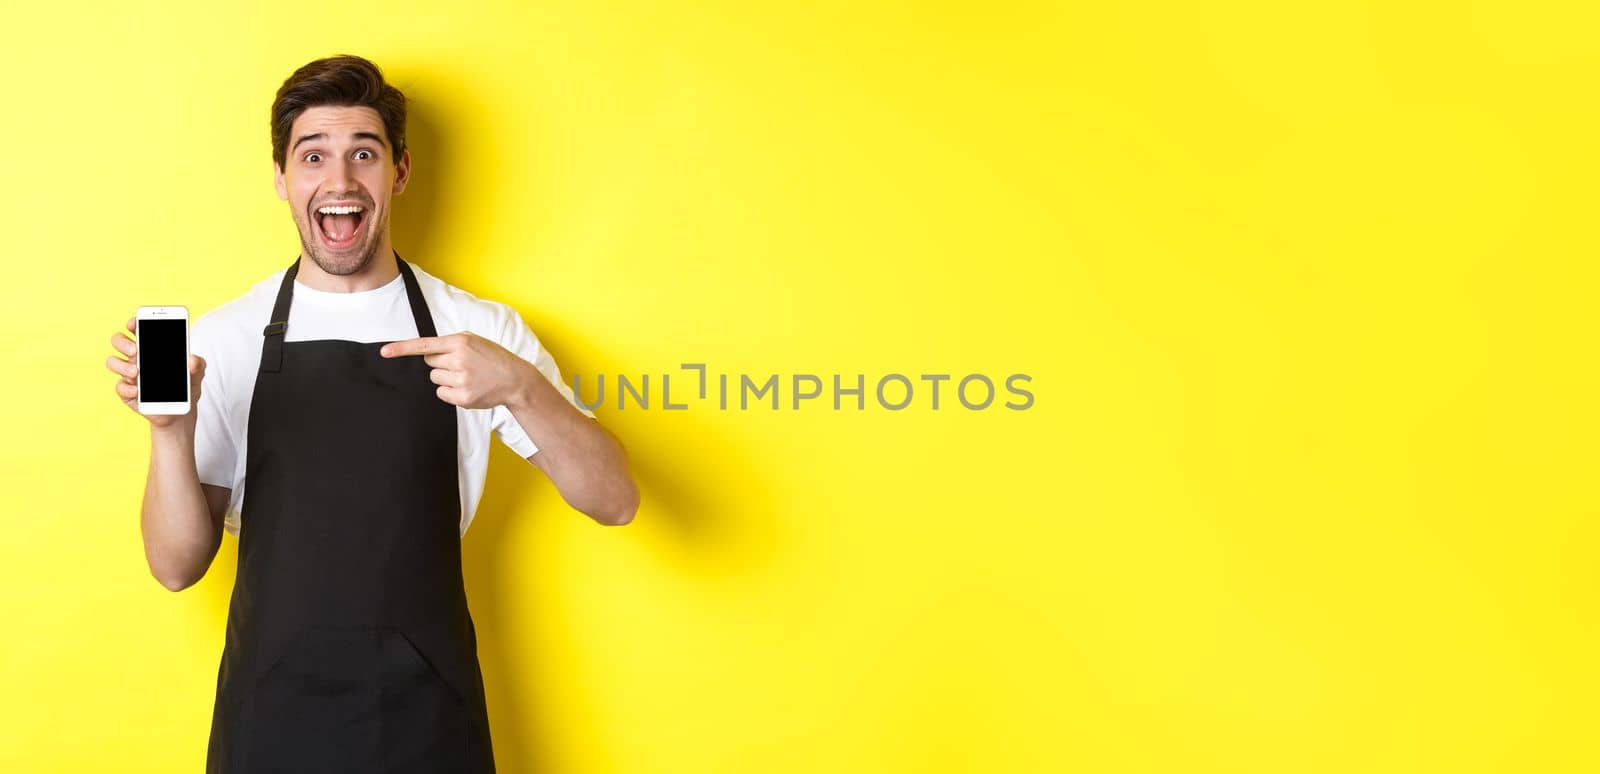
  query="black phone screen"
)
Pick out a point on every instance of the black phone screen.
point(163, 361)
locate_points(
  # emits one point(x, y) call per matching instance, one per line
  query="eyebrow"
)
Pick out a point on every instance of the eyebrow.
point(324, 136)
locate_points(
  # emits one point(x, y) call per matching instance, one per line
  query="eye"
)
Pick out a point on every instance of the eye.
point(313, 157)
point(364, 150)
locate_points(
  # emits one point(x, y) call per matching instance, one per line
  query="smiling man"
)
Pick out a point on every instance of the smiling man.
point(343, 411)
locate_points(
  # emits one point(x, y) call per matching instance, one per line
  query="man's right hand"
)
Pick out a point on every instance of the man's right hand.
point(128, 386)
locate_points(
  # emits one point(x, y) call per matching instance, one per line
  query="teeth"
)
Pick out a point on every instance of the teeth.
point(340, 210)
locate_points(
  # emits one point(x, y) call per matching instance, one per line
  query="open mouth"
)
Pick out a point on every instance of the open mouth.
point(341, 226)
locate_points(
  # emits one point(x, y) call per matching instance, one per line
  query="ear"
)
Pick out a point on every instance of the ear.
point(402, 172)
point(278, 181)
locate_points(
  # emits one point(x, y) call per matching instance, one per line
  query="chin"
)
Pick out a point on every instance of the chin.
point(343, 266)
point(340, 264)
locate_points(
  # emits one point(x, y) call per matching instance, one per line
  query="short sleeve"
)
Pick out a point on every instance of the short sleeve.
point(215, 452)
point(520, 339)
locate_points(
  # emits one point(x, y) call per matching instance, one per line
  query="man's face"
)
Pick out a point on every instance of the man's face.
point(339, 157)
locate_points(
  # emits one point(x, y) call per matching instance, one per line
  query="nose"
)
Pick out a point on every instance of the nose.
point(340, 181)
point(343, 179)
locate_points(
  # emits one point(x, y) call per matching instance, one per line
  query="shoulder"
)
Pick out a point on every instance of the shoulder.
point(455, 310)
point(240, 318)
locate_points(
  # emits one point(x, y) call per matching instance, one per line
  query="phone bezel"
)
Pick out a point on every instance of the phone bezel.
point(165, 313)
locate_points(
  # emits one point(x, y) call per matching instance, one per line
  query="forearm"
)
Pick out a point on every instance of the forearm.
point(179, 537)
point(586, 462)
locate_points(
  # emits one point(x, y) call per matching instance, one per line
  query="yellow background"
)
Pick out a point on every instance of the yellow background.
point(1307, 293)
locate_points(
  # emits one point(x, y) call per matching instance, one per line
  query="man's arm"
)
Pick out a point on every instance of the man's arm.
point(180, 518)
point(584, 460)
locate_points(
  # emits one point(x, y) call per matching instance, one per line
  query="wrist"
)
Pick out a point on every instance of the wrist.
point(525, 395)
point(181, 431)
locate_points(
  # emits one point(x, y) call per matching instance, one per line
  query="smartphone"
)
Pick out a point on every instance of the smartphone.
point(163, 345)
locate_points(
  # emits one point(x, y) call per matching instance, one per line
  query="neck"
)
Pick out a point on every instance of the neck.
point(379, 272)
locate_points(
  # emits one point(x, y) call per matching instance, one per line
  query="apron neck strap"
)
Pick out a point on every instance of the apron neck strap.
point(419, 307)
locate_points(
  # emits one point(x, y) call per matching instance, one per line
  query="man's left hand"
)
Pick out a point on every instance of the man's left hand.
point(471, 371)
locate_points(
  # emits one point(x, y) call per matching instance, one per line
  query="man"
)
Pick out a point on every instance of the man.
point(341, 431)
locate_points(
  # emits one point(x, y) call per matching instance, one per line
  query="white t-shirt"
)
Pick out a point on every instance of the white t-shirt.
point(229, 338)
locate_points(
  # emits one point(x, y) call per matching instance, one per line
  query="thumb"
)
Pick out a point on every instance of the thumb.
point(197, 374)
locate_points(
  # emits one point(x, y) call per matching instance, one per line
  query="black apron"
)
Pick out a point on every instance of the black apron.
point(349, 646)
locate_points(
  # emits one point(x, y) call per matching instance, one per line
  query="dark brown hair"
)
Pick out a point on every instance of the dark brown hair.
point(337, 80)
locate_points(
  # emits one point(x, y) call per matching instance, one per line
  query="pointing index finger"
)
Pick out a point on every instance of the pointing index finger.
point(426, 345)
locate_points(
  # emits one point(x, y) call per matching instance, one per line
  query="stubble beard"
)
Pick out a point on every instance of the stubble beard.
point(338, 265)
